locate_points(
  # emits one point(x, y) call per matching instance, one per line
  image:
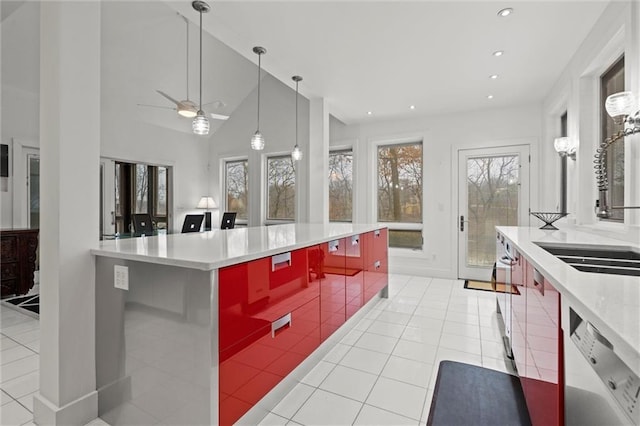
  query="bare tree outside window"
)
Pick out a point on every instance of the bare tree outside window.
point(142, 188)
point(400, 191)
point(237, 181)
point(281, 188)
point(161, 191)
point(492, 191)
point(341, 186)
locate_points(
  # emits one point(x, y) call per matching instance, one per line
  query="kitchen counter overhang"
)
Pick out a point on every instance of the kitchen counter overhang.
point(215, 249)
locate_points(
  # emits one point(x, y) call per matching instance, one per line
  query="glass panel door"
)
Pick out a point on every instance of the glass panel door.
point(33, 183)
point(493, 192)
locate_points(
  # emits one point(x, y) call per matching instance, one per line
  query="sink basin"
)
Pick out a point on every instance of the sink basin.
point(617, 260)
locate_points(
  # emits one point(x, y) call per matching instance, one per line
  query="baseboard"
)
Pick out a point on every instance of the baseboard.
point(77, 413)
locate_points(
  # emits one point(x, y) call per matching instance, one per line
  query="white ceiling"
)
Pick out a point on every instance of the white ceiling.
point(384, 56)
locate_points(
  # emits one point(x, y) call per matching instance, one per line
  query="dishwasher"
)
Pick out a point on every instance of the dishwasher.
point(506, 258)
point(600, 388)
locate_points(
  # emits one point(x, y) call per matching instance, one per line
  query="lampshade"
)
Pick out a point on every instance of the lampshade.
point(561, 145)
point(622, 103)
point(296, 154)
point(200, 124)
point(206, 203)
point(257, 141)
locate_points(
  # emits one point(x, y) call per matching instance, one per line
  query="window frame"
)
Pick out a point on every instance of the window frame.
point(345, 149)
point(397, 226)
point(266, 220)
point(225, 162)
point(618, 65)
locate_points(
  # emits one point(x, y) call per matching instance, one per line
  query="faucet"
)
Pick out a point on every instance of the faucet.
point(618, 106)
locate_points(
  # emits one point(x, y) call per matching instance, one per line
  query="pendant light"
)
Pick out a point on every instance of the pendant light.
point(257, 140)
point(296, 154)
point(200, 123)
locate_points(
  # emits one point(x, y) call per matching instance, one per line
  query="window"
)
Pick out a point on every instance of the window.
point(281, 188)
point(612, 81)
point(563, 166)
point(400, 193)
point(141, 188)
point(341, 185)
point(237, 184)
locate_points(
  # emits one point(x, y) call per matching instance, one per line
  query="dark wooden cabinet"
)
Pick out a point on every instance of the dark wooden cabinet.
point(18, 260)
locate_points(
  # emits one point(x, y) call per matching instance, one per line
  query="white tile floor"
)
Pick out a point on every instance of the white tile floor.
point(382, 372)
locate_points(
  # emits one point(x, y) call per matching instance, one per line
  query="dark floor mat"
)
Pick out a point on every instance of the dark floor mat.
point(470, 395)
point(30, 303)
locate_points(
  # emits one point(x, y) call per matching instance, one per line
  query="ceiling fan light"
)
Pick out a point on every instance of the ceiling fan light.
point(296, 154)
point(257, 141)
point(200, 124)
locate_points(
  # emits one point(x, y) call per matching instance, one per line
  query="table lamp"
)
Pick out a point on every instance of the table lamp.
point(206, 203)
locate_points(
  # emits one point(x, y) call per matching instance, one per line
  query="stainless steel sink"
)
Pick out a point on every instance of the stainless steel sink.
point(616, 260)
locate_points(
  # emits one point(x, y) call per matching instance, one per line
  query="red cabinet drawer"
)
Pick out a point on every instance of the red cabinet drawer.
point(376, 245)
point(354, 272)
point(255, 293)
point(251, 368)
point(333, 297)
point(375, 278)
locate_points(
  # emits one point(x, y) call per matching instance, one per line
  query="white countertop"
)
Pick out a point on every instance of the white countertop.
point(610, 302)
point(219, 248)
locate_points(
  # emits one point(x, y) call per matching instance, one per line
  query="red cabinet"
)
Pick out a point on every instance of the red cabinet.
point(269, 321)
point(333, 297)
point(354, 274)
point(273, 312)
point(376, 262)
point(543, 375)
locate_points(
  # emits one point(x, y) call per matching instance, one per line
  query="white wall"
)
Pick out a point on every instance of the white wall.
point(442, 135)
point(577, 91)
point(277, 124)
point(20, 97)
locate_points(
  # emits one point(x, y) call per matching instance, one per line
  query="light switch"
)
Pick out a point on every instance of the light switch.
point(121, 277)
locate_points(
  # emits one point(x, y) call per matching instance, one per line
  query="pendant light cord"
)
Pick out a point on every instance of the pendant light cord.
point(259, 68)
point(297, 113)
point(187, 50)
point(200, 61)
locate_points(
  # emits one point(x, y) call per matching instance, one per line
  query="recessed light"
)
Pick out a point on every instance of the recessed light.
point(490, 97)
point(505, 12)
point(412, 107)
point(369, 113)
point(493, 77)
point(498, 53)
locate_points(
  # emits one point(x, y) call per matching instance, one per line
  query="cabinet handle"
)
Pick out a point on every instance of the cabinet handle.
point(333, 246)
point(279, 323)
point(280, 261)
point(355, 239)
point(376, 264)
point(376, 233)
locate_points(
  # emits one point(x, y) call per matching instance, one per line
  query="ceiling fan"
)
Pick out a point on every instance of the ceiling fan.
point(187, 108)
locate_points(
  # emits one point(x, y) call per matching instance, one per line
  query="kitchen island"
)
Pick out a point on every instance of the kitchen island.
point(215, 327)
point(596, 361)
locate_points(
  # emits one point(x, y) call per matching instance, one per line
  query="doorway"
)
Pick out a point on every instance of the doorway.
point(493, 190)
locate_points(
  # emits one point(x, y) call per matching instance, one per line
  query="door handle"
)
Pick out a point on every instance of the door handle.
point(280, 261)
point(281, 322)
point(461, 223)
point(113, 217)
